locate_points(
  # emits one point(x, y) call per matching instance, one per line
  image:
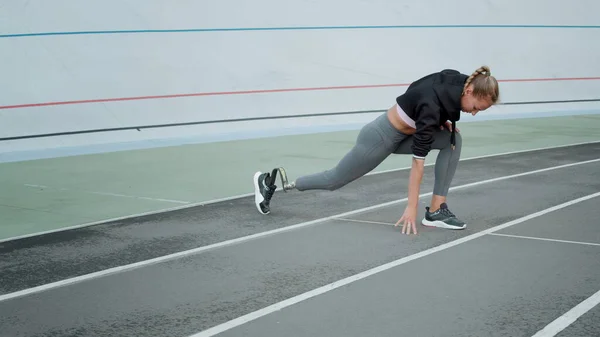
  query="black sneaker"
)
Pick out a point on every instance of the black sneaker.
point(264, 187)
point(442, 218)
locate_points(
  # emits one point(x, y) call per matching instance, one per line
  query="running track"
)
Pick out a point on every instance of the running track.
point(331, 263)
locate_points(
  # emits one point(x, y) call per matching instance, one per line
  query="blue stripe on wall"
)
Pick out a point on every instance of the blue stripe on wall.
point(203, 30)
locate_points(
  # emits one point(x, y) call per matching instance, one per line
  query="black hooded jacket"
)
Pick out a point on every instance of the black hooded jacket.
point(430, 102)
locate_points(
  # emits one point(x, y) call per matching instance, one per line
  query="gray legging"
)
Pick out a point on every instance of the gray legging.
point(375, 142)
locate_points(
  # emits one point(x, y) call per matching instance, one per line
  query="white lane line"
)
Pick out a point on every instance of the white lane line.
point(545, 239)
point(334, 285)
point(142, 198)
point(107, 194)
point(569, 317)
point(255, 236)
point(213, 201)
point(365, 221)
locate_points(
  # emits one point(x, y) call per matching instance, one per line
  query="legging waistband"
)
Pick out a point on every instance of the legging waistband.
point(404, 116)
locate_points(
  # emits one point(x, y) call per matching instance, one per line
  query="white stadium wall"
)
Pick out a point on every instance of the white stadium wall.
point(72, 68)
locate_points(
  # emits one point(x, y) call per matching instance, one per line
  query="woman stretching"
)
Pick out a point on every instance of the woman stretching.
point(417, 123)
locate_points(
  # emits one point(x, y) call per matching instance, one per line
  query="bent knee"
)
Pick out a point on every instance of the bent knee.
point(457, 139)
point(443, 140)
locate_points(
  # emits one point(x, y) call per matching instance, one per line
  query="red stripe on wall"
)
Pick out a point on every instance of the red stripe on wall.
point(245, 92)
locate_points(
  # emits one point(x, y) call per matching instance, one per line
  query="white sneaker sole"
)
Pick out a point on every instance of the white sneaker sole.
point(258, 198)
point(440, 224)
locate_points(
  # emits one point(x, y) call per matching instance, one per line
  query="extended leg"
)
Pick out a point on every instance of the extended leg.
point(375, 142)
point(368, 152)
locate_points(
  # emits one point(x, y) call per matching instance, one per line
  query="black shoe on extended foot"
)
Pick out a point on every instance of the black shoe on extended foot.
point(442, 218)
point(264, 187)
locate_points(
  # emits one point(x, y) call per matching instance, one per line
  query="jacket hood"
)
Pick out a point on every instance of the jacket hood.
point(448, 86)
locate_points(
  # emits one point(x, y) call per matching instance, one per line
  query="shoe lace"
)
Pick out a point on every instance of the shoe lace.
point(269, 191)
point(447, 212)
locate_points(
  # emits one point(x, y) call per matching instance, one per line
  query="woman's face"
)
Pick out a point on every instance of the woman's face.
point(472, 104)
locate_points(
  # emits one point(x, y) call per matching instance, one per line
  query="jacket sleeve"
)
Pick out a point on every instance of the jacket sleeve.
point(426, 124)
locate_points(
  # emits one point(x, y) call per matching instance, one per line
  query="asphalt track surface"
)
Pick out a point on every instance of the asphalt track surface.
point(331, 263)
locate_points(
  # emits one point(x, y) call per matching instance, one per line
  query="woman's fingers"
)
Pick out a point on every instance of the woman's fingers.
point(407, 224)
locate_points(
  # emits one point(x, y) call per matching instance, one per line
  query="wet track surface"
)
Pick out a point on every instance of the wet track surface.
point(491, 286)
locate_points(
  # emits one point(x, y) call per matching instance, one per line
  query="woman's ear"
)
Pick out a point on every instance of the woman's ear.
point(468, 91)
